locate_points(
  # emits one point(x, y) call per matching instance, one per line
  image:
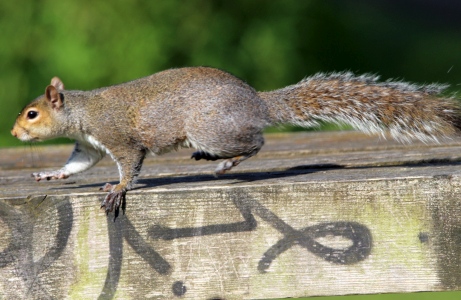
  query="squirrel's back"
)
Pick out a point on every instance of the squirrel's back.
point(197, 106)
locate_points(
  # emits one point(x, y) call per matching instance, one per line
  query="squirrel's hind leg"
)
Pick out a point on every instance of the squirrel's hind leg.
point(225, 165)
point(234, 152)
point(225, 134)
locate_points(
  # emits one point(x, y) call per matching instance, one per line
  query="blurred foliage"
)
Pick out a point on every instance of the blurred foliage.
point(269, 44)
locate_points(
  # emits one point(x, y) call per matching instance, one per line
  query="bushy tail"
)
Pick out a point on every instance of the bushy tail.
point(405, 110)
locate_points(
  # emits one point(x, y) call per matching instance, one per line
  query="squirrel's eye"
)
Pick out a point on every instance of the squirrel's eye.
point(32, 114)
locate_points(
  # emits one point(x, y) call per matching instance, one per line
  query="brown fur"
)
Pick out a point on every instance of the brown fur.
point(408, 111)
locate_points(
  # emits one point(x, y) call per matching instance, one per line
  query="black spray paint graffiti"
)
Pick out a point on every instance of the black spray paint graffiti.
point(123, 229)
point(20, 250)
point(358, 234)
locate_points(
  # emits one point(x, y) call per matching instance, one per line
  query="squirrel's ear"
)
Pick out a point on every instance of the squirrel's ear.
point(53, 96)
point(57, 83)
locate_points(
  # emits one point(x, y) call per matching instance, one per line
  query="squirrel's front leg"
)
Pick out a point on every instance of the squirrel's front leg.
point(82, 158)
point(129, 163)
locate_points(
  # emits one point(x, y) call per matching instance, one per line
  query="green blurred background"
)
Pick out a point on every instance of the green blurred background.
point(270, 44)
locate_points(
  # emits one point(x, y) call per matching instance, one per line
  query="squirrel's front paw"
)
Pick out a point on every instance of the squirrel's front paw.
point(114, 199)
point(49, 175)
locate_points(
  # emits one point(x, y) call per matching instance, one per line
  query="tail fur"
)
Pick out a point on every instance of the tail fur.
point(407, 111)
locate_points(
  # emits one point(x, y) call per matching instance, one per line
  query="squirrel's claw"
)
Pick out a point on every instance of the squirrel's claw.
point(114, 200)
point(49, 175)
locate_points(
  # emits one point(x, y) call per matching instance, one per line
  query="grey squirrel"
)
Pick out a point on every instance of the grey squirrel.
point(219, 115)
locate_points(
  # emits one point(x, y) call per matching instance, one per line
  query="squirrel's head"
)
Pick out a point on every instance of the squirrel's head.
point(39, 120)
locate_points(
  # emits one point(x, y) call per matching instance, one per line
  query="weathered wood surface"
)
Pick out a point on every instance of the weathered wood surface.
point(312, 214)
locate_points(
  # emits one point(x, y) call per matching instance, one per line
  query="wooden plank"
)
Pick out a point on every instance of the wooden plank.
point(312, 214)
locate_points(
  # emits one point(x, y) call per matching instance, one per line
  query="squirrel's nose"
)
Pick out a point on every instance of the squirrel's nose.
point(13, 133)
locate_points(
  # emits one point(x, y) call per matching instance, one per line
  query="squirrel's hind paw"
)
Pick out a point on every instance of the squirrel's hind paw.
point(114, 200)
point(227, 164)
point(224, 166)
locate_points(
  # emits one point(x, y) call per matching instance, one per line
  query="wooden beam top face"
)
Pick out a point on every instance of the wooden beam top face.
point(311, 157)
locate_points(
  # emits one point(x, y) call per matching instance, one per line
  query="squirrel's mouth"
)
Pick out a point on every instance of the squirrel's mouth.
point(23, 135)
point(27, 138)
